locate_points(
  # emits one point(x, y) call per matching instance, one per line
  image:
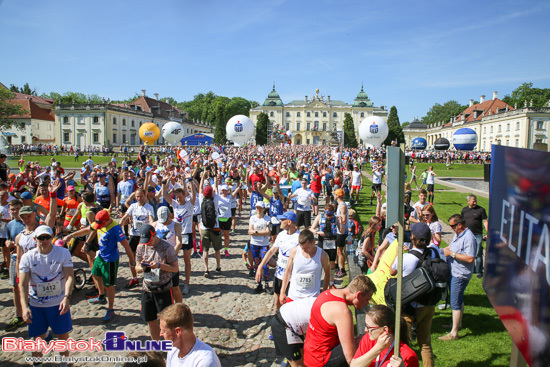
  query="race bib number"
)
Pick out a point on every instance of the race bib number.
point(282, 261)
point(185, 239)
point(83, 221)
point(303, 201)
point(224, 212)
point(292, 338)
point(305, 280)
point(3, 226)
point(329, 244)
point(260, 226)
point(152, 276)
point(72, 212)
point(49, 289)
point(137, 224)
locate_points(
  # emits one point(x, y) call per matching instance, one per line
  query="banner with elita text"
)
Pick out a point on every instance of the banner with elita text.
point(517, 278)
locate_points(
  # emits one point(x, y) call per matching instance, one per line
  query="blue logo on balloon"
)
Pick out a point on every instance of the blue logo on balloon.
point(374, 129)
point(239, 127)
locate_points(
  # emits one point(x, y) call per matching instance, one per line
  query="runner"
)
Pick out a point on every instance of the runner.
point(324, 226)
point(259, 230)
point(303, 204)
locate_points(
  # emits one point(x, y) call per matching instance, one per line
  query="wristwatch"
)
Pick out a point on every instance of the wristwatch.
point(133, 263)
point(255, 232)
point(453, 255)
point(68, 296)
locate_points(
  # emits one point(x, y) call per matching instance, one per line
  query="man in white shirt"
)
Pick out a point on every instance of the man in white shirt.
point(416, 215)
point(303, 207)
point(176, 325)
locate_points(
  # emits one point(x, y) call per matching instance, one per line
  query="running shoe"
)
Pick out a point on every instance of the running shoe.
point(268, 289)
point(259, 289)
point(340, 274)
point(109, 315)
point(252, 273)
point(232, 232)
point(185, 289)
point(207, 274)
point(15, 323)
point(92, 294)
point(5, 274)
point(226, 253)
point(285, 363)
point(195, 255)
point(98, 300)
point(218, 270)
point(200, 254)
point(134, 282)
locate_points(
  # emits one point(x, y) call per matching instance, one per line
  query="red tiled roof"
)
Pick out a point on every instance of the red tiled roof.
point(147, 105)
point(33, 111)
point(486, 108)
point(35, 99)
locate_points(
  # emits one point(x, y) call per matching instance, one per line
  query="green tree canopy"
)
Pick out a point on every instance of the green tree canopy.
point(350, 140)
point(261, 129)
point(395, 128)
point(8, 109)
point(526, 92)
point(26, 89)
point(73, 97)
point(204, 107)
point(439, 113)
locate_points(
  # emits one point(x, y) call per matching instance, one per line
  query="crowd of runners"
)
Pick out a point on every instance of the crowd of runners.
point(296, 201)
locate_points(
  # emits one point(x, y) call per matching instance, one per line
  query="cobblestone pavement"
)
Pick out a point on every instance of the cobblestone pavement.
point(228, 316)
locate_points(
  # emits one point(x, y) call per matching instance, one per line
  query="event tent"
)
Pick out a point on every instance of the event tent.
point(197, 139)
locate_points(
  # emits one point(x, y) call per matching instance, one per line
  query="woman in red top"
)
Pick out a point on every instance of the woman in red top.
point(316, 187)
point(377, 345)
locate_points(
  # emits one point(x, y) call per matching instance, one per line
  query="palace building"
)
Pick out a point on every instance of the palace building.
point(315, 118)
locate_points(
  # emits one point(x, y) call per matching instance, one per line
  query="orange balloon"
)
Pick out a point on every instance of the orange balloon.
point(149, 132)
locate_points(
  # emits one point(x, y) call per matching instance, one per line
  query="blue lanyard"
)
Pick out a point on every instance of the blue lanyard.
point(379, 363)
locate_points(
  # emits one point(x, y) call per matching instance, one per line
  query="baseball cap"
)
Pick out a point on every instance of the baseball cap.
point(41, 230)
point(70, 188)
point(260, 204)
point(339, 192)
point(26, 195)
point(26, 210)
point(421, 230)
point(224, 187)
point(101, 219)
point(147, 233)
point(208, 192)
point(163, 213)
point(288, 215)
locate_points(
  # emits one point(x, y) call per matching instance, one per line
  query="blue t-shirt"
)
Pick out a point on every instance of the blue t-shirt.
point(14, 228)
point(109, 237)
point(275, 207)
point(295, 186)
point(254, 198)
point(61, 190)
point(125, 189)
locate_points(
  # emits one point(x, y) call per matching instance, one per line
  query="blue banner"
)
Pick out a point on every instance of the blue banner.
point(517, 278)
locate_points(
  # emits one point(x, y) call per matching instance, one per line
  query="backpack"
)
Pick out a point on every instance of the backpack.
point(425, 285)
point(208, 213)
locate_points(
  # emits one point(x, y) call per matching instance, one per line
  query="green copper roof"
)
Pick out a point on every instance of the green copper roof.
point(273, 99)
point(362, 99)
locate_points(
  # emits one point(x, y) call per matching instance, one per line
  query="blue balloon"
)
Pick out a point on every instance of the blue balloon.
point(465, 139)
point(419, 143)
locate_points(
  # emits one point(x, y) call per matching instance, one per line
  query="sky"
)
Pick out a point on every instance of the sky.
point(409, 54)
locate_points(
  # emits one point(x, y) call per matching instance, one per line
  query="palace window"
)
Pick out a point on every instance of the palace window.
point(23, 139)
point(491, 129)
point(316, 125)
point(287, 126)
point(499, 128)
point(362, 114)
point(271, 114)
point(335, 114)
point(540, 125)
point(288, 114)
point(507, 128)
point(298, 125)
point(324, 114)
point(114, 120)
point(133, 123)
point(65, 119)
point(66, 136)
point(308, 114)
point(114, 138)
point(96, 138)
point(96, 119)
point(324, 126)
point(123, 122)
point(297, 114)
point(518, 125)
point(308, 126)
point(316, 114)
point(123, 138)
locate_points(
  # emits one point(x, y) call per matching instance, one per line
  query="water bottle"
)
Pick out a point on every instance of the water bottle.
point(349, 243)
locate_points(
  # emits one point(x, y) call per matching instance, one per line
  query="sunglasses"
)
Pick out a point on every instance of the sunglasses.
point(453, 225)
point(370, 329)
point(44, 238)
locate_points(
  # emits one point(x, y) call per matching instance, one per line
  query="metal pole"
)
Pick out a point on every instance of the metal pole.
point(394, 189)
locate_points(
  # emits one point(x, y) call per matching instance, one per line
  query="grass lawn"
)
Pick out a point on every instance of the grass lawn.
point(66, 161)
point(483, 339)
point(456, 170)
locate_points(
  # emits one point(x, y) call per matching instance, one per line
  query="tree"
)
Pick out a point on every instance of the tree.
point(26, 89)
point(526, 92)
point(395, 130)
point(9, 109)
point(220, 134)
point(350, 141)
point(73, 97)
point(406, 123)
point(261, 129)
point(439, 113)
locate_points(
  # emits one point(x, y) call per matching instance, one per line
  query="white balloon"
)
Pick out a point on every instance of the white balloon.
point(290, 134)
point(172, 132)
point(373, 131)
point(240, 129)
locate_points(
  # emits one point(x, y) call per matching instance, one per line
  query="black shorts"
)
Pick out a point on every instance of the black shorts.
point(3, 242)
point(153, 303)
point(341, 240)
point(134, 242)
point(195, 218)
point(377, 187)
point(277, 285)
point(189, 244)
point(431, 188)
point(303, 218)
point(92, 246)
point(122, 208)
point(275, 229)
point(292, 352)
point(233, 211)
point(331, 253)
point(176, 279)
point(225, 226)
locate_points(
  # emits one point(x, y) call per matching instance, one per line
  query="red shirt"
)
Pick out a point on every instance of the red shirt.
point(321, 337)
point(254, 177)
point(315, 185)
point(405, 352)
